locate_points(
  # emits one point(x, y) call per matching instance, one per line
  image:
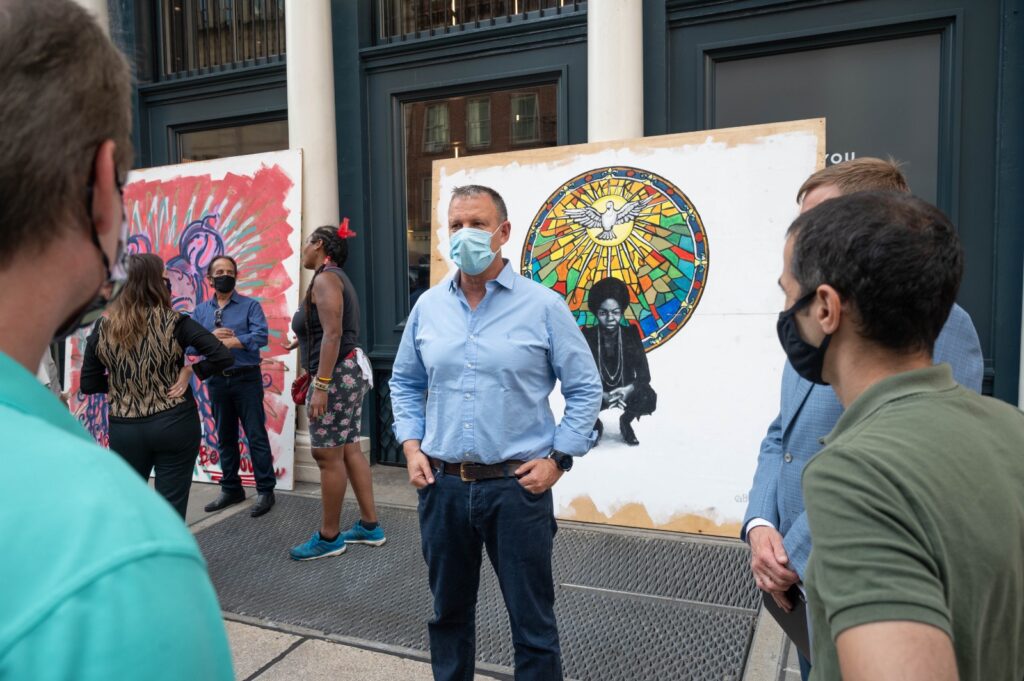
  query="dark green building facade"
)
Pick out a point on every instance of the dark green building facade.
point(934, 83)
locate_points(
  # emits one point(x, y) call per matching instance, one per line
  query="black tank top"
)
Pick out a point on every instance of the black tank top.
point(311, 333)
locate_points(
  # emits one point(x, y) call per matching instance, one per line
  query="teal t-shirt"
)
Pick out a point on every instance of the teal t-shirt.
point(99, 578)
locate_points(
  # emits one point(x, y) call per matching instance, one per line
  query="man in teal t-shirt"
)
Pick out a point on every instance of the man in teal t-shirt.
point(99, 579)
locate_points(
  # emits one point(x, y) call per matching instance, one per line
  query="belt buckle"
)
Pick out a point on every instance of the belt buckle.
point(462, 473)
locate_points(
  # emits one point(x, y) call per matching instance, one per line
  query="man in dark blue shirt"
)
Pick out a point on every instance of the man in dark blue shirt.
point(237, 394)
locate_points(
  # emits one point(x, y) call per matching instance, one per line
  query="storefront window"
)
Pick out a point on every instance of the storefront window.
point(425, 18)
point(199, 35)
point(235, 140)
point(485, 123)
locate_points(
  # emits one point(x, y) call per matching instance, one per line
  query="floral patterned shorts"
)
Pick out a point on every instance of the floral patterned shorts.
point(341, 423)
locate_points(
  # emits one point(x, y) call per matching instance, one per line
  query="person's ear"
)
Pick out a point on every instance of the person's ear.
point(106, 210)
point(504, 232)
point(830, 313)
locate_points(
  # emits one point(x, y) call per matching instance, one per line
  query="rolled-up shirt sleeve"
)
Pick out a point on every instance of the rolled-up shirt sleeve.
point(573, 365)
point(409, 385)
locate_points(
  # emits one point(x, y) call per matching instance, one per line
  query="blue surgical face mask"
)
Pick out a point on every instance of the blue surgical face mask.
point(471, 250)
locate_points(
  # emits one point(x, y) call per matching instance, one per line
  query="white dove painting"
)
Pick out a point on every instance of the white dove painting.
point(607, 220)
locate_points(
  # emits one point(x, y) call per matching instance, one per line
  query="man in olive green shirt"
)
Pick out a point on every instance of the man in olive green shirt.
point(917, 570)
point(99, 578)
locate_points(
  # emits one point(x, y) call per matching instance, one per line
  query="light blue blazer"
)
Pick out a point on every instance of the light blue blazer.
point(808, 412)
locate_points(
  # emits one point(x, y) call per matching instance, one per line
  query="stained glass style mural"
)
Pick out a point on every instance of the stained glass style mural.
point(626, 223)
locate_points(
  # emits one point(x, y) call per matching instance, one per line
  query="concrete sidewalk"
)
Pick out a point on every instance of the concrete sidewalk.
point(269, 651)
point(265, 649)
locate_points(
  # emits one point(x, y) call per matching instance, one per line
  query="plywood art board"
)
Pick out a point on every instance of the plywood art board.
point(694, 225)
point(248, 207)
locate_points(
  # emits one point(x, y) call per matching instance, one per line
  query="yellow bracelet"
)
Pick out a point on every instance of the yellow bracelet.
point(325, 380)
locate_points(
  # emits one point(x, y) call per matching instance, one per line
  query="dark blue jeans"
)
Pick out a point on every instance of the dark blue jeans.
point(457, 520)
point(239, 398)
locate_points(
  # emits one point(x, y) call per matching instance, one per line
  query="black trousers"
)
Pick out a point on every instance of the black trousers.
point(167, 442)
point(239, 398)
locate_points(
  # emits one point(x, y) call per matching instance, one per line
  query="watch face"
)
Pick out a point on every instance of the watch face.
point(564, 462)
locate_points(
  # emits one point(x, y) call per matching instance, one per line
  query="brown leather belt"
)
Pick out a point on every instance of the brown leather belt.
point(472, 472)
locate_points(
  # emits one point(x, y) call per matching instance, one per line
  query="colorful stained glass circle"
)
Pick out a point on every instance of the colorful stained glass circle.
point(626, 223)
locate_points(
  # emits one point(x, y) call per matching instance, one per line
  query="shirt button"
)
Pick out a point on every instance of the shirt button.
point(472, 337)
point(466, 426)
point(467, 396)
point(469, 365)
point(788, 457)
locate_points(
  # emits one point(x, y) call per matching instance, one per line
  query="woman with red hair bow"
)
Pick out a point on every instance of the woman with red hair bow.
point(327, 327)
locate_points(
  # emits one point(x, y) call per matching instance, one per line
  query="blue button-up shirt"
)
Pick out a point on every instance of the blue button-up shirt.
point(245, 317)
point(473, 385)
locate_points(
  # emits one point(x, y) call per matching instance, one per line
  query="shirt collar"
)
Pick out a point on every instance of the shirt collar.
point(931, 379)
point(506, 278)
point(20, 391)
point(235, 298)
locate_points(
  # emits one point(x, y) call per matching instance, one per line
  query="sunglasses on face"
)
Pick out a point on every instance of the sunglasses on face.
point(218, 318)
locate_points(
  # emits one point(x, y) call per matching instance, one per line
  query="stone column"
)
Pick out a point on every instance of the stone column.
point(311, 128)
point(98, 8)
point(615, 70)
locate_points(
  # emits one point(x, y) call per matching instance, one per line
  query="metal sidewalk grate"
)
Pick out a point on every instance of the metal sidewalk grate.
point(629, 607)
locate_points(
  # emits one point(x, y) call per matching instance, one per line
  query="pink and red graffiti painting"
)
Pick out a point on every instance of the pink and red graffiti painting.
point(246, 207)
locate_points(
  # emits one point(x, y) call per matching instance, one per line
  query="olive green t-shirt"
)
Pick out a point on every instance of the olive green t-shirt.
point(916, 510)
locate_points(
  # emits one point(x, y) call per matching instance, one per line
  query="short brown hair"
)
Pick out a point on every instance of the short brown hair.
point(65, 90)
point(471, 190)
point(858, 175)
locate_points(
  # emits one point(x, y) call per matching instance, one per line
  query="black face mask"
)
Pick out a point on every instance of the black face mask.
point(805, 358)
point(117, 275)
point(224, 284)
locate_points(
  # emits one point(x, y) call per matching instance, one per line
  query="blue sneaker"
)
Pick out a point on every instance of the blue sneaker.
point(360, 535)
point(318, 548)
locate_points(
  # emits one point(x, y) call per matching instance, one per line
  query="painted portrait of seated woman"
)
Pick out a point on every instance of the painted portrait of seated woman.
point(619, 353)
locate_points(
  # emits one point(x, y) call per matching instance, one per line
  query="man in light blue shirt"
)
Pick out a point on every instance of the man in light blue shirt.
point(479, 357)
point(99, 577)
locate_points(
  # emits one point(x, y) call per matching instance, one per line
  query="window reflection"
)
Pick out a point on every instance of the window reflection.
point(232, 140)
point(482, 123)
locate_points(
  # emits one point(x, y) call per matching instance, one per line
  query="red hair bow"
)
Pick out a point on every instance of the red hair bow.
point(343, 231)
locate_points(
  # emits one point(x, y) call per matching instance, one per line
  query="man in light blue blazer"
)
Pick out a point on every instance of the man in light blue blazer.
point(775, 524)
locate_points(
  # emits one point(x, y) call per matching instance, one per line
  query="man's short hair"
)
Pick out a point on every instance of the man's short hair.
point(471, 190)
point(209, 268)
point(65, 89)
point(858, 175)
point(895, 258)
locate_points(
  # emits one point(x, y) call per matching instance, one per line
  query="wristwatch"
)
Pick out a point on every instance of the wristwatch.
point(562, 460)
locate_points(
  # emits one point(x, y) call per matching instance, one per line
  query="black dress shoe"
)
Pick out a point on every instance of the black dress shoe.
point(628, 436)
point(599, 427)
point(224, 500)
point(264, 502)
